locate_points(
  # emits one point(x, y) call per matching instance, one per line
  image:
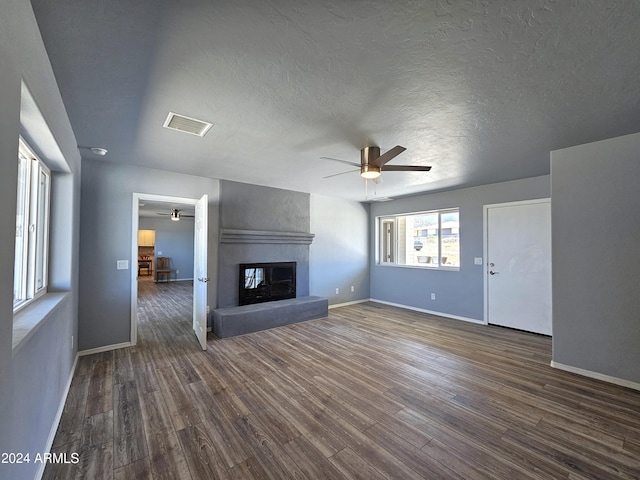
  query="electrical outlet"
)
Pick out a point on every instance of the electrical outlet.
point(177, 272)
point(353, 289)
point(433, 296)
point(160, 254)
point(337, 291)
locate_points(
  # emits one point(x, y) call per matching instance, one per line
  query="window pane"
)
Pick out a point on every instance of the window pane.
point(32, 228)
point(41, 231)
point(387, 241)
point(450, 246)
point(428, 239)
point(424, 239)
point(22, 219)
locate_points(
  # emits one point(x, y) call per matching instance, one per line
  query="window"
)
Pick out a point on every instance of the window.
point(426, 239)
point(32, 228)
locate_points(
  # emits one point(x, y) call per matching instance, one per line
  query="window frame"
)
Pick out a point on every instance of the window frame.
point(33, 216)
point(393, 219)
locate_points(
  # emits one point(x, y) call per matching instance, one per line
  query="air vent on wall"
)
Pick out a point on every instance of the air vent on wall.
point(185, 124)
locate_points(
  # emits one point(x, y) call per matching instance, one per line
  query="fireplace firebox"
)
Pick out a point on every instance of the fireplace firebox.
point(266, 282)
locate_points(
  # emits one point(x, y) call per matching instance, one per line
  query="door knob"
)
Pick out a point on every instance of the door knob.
point(204, 279)
point(491, 272)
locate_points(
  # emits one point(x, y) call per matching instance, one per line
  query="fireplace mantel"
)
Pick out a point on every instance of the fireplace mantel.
point(265, 236)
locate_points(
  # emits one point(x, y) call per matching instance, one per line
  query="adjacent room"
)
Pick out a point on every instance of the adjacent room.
point(360, 240)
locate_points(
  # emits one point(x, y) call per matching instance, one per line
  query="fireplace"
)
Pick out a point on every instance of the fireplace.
point(266, 282)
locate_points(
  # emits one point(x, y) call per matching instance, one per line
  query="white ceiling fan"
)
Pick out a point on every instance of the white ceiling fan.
point(372, 164)
point(175, 214)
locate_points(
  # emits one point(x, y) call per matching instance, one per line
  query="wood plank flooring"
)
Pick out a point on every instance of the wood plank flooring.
point(371, 392)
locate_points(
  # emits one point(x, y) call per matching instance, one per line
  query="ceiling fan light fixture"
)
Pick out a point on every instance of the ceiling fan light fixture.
point(175, 215)
point(369, 172)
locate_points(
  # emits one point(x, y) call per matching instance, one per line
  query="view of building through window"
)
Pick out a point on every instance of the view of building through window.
point(430, 239)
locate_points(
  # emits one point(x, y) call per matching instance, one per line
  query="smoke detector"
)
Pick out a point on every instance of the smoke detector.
point(185, 124)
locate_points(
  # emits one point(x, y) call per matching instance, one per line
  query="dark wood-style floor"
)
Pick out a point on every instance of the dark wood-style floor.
point(370, 392)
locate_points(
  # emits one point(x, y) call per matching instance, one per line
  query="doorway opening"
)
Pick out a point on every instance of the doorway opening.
point(177, 287)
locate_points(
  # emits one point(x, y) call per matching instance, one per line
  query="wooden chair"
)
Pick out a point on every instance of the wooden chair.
point(163, 268)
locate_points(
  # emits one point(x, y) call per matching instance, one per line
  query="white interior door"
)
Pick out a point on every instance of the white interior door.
point(200, 276)
point(519, 265)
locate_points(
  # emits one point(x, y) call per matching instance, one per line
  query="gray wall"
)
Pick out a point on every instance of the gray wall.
point(106, 236)
point(174, 240)
point(34, 377)
point(253, 207)
point(458, 293)
point(339, 254)
point(596, 265)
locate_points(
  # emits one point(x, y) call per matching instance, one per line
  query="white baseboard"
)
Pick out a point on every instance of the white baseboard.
point(58, 417)
point(596, 375)
point(431, 312)
point(106, 348)
point(345, 304)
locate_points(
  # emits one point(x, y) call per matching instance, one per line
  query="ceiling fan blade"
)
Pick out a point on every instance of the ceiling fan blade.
point(384, 158)
point(405, 168)
point(342, 161)
point(162, 213)
point(342, 173)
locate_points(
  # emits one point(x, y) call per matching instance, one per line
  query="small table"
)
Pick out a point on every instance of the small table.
point(144, 264)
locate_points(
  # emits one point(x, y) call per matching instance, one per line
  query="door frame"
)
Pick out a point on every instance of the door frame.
point(135, 216)
point(485, 243)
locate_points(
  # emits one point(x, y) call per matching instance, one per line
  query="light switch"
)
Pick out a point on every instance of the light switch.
point(477, 261)
point(122, 264)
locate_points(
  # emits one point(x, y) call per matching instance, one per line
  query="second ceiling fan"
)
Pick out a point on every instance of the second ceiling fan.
point(372, 164)
point(176, 214)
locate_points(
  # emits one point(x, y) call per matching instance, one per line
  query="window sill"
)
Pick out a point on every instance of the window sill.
point(27, 321)
point(420, 267)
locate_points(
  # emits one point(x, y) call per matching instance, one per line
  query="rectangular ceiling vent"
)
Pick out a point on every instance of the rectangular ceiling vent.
point(185, 124)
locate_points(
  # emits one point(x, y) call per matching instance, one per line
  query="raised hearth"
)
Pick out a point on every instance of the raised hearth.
point(232, 321)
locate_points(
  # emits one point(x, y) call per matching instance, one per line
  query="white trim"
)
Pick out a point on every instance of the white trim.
point(135, 217)
point(598, 376)
point(431, 312)
point(338, 305)
point(58, 417)
point(106, 348)
point(485, 244)
point(518, 203)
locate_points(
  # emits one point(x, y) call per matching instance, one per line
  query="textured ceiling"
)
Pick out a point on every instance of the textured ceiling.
point(159, 209)
point(480, 90)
